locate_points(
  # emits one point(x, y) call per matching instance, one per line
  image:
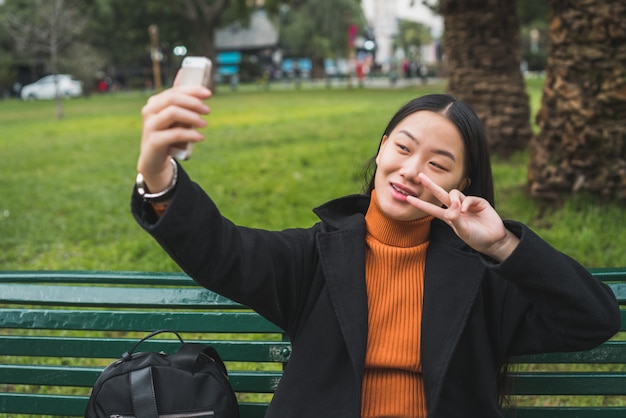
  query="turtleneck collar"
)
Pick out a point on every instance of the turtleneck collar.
point(393, 232)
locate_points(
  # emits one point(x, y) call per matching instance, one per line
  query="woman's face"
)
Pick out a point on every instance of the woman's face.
point(424, 142)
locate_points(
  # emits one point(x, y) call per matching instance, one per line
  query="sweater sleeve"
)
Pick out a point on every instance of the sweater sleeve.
point(551, 302)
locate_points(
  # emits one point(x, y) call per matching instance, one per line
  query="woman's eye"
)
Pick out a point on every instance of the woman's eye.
point(402, 148)
point(438, 166)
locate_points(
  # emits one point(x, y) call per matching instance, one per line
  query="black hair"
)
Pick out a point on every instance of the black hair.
point(477, 161)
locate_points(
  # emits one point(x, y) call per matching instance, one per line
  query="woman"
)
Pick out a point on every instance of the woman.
point(402, 302)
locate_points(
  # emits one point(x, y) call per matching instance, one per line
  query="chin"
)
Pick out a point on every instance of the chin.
point(400, 212)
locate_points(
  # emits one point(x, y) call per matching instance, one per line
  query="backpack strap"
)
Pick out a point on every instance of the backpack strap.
point(192, 355)
point(142, 393)
point(128, 355)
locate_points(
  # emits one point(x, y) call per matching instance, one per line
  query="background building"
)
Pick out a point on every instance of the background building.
point(383, 16)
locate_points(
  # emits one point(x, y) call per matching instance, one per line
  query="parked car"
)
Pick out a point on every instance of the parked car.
point(44, 88)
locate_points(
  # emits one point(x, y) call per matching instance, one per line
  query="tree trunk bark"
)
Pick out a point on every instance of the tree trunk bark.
point(482, 49)
point(582, 142)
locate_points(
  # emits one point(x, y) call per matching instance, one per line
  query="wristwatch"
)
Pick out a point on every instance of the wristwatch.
point(161, 196)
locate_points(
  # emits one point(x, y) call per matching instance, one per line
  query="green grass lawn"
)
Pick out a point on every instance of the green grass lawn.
point(269, 158)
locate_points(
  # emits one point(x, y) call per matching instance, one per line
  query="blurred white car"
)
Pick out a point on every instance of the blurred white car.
point(45, 88)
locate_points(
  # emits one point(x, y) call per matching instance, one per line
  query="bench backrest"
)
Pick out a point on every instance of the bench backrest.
point(586, 384)
point(59, 329)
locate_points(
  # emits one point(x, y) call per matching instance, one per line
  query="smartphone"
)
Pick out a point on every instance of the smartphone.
point(194, 71)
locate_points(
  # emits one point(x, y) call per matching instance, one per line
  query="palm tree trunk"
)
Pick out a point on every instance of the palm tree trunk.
point(582, 143)
point(482, 49)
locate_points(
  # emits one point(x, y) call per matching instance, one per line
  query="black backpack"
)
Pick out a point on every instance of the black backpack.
point(191, 383)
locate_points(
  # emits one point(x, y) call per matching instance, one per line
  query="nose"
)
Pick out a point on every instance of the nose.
point(410, 170)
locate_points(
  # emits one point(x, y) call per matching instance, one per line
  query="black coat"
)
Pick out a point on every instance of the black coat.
point(311, 283)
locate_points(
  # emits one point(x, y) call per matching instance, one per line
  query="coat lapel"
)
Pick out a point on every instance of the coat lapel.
point(451, 281)
point(342, 254)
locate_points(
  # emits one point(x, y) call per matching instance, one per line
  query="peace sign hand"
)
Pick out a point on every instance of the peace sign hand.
point(472, 218)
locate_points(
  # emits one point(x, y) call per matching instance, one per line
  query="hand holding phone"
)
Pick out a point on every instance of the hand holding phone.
point(194, 71)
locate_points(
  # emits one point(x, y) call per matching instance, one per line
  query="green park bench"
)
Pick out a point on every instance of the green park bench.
point(59, 329)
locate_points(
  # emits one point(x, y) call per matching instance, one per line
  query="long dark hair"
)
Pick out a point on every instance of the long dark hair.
point(477, 162)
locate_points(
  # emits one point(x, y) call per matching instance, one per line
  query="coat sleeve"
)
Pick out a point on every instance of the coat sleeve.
point(550, 301)
point(265, 270)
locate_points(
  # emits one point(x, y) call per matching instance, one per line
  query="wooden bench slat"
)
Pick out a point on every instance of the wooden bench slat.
point(568, 383)
point(180, 279)
point(233, 322)
point(252, 410)
point(620, 290)
point(254, 381)
point(96, 277)
point(103, 296)
point(607, 353)
point(241, 381)
point(49, 375)
point(567, 412)
point(614, 274)
point(112, 348)
point(609, 273)
point(43, 404)
point(75, 405)
point(147, 321)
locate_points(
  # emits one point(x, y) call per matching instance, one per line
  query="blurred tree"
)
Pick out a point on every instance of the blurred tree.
point(191, 23)
point(120, 30)
point(318, 29)
point(411, 36)
point(582, 143)
point(201, 19)
point(482, 49)
point(12, 13)
point(44, 28)
point(7, 60)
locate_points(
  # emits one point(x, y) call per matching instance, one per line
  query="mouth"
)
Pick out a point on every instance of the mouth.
point(402, 190)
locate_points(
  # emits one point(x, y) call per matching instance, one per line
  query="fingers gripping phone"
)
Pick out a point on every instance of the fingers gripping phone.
point(194, 71)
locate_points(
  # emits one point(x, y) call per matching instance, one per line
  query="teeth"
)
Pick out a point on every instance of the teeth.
point(401, 191)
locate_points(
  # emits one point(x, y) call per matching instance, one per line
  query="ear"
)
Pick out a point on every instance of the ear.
point(383, 141)
point(464, 184)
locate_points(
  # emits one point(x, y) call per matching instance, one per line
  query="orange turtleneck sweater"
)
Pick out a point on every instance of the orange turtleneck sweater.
point(394, 272)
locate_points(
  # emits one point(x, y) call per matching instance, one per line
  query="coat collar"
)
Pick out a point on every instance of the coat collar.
point(344, 213)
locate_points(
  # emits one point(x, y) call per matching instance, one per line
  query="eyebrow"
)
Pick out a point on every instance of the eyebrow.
point(437, 151)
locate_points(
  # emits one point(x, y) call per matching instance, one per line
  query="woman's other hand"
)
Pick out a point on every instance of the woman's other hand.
point(472, 218)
